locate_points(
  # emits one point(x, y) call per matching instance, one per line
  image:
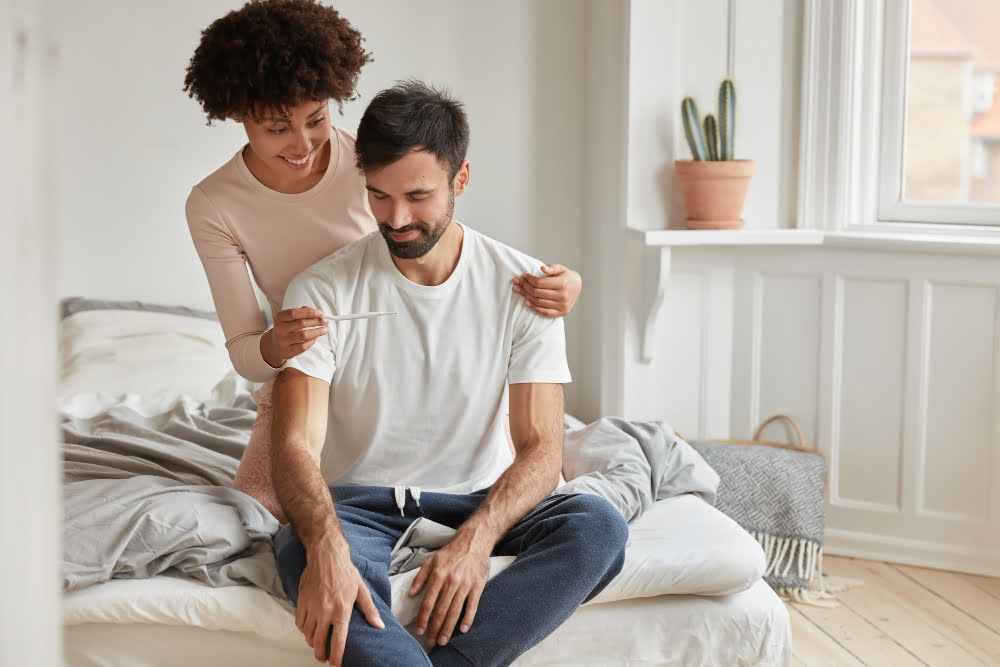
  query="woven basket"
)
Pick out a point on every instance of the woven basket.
point(779, 499)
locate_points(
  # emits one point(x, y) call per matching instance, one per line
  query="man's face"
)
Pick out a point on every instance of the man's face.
point(413, 201)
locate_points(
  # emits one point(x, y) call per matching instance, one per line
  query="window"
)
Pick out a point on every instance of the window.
point(985, 90)
point(901, 101)
point(940, 101)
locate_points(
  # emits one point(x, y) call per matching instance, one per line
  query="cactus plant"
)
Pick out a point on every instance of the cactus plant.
point(727, 118)
point(712, 137)
point(715, 143)
point(692, 129)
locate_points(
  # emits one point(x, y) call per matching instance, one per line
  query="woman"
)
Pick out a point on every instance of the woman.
point(292, 195)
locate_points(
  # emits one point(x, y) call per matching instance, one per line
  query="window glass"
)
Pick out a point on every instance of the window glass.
point(952, 132)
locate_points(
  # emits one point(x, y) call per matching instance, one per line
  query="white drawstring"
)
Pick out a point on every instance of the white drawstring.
point(400, 492)
point(400, 498)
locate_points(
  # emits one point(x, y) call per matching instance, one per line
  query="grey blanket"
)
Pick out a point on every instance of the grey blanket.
point(145, 495)
point(633, 464)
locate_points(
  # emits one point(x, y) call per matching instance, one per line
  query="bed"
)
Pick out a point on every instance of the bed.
point(148, 401)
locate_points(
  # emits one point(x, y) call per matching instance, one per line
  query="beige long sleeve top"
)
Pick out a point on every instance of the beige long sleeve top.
point(239, 226)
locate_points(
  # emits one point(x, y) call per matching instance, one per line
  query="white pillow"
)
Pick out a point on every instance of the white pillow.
point(142, 352)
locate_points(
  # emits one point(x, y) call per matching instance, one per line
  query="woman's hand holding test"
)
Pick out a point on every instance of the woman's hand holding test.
point(294, 331)
point(551, 295)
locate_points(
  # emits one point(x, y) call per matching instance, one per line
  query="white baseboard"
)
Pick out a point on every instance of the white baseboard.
point(838, 542)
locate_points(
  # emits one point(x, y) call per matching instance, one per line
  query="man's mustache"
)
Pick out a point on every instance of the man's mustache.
point(385, 228)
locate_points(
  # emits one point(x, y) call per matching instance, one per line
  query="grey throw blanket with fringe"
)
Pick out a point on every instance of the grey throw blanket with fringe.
point(777, 496)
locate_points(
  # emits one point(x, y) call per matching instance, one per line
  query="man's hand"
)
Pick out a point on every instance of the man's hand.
point(328, 589)
point(454, 576)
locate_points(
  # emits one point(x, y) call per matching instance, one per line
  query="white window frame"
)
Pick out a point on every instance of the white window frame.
point(854, 82)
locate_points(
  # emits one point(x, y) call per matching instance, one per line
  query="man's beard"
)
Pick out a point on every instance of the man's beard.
point(422, 244)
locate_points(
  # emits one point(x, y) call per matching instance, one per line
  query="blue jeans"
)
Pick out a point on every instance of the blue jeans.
point(568, 549)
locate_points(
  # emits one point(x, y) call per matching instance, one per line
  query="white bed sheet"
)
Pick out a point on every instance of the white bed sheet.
point(747, 628)
point(680, 546)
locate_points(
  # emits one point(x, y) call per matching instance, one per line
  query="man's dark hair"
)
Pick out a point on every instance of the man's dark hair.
point(412, 116)
point(271, 55)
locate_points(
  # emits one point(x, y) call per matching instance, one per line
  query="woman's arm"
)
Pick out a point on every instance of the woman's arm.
point(232, 292)
point(256, 351)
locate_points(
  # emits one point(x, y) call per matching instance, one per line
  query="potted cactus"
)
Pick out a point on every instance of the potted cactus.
point(713, 184)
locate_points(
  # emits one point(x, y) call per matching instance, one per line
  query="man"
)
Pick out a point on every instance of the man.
point(381, 409)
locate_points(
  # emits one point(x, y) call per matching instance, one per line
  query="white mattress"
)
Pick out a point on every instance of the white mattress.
point(680, 546)
point(747, 628)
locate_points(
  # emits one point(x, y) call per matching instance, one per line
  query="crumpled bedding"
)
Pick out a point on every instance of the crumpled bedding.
point(633, 464)
point(146, 490)
point(147, 487)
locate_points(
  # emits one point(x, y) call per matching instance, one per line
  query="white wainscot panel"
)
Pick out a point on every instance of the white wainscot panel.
point(960, 401)
point(786, 370)
point(866, 452)
point(671, 386)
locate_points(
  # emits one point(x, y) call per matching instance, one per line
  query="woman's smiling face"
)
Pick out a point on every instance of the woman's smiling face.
point(289, 149)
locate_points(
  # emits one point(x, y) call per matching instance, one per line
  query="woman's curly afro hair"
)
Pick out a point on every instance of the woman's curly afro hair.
point(275, 54)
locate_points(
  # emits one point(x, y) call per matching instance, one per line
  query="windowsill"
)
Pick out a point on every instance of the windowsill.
point(954, 239)
point(726, 237)
point(875, 237)
point(659, 244)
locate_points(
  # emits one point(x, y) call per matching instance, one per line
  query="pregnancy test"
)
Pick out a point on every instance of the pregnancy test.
point(356, 316)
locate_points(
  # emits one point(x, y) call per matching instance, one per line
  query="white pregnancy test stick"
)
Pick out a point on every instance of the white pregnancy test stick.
point(355, 316)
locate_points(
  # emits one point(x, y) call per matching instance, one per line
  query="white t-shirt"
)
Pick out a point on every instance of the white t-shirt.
point(419, 398)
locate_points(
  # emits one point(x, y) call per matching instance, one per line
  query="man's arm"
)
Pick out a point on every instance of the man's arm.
point(330, 583)
point(298, 431)
point(536, 429)
point(457, 573)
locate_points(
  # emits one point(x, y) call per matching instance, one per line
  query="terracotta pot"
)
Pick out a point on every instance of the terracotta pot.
point(714, 192)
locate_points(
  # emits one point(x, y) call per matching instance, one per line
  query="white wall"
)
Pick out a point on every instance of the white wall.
point(683, 47)
point(132, 144)
point(30, 510)
point(598, 381)
point(551, 109)
point(675, 48)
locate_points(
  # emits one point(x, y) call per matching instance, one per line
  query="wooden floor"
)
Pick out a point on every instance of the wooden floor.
point(902, 615)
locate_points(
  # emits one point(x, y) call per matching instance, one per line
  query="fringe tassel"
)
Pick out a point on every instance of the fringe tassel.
point(781, 553)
